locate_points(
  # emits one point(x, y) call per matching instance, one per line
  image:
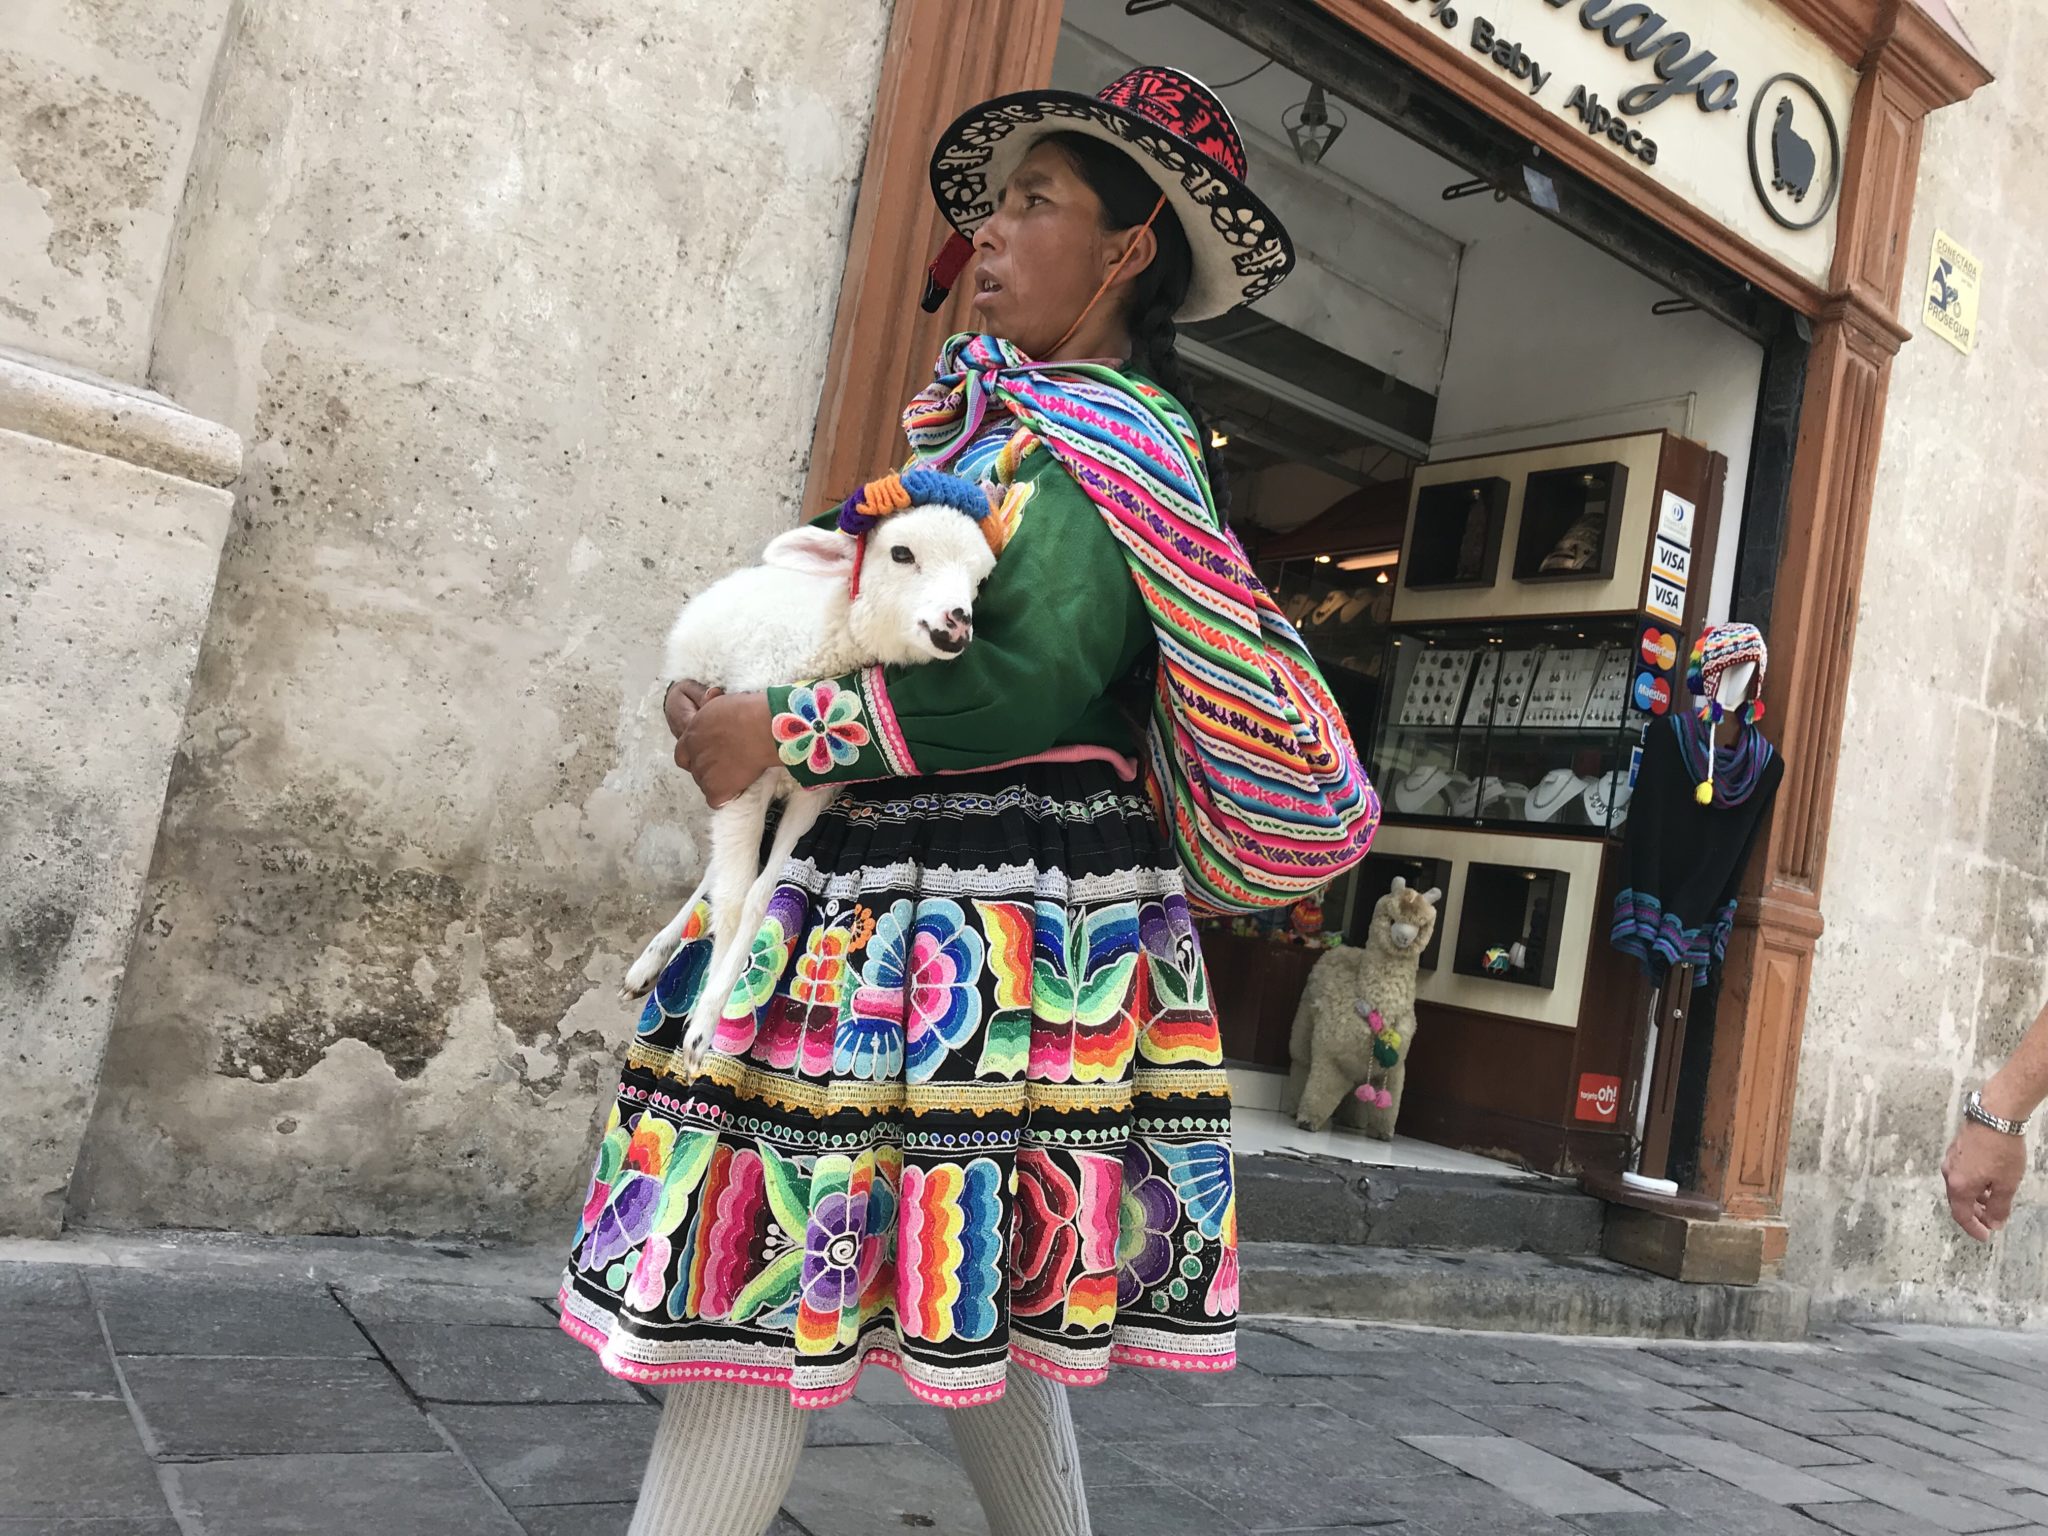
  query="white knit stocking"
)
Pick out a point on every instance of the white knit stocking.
point(723, 1459)
point(1021, 1453)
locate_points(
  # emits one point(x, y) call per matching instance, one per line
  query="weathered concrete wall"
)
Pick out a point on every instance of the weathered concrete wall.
point(1936, 954)
point(100, 102)
point(521, 310)
point(111, 523)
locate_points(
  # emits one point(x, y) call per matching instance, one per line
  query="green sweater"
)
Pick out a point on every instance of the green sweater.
point(1058, 625)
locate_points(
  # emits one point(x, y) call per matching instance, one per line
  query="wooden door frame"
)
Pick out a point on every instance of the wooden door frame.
point(943, 55)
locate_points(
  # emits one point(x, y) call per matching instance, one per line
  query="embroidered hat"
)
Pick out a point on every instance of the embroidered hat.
point(1178, 132)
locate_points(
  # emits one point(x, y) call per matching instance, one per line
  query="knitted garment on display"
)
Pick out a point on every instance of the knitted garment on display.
point(1248, 759)
point(1683, 860)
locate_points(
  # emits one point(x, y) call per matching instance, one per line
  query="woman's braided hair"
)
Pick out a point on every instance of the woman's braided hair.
point(1128, 195)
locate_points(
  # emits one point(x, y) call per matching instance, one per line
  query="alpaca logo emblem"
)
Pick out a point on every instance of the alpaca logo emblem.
point(1795, 152)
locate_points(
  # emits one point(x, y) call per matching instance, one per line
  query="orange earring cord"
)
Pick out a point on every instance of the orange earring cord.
point(1114, 273)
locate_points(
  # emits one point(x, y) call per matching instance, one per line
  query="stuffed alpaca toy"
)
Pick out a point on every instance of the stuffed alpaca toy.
point(1357, 1017)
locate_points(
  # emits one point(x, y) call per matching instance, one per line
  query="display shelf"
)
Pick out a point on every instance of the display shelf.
point(1455, 537)
point(1570, 526)
point(1510, 923)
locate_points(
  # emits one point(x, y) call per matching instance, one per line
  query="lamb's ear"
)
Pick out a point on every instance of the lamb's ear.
point(1400, 884)
point(813, 551)
point(1433, 895)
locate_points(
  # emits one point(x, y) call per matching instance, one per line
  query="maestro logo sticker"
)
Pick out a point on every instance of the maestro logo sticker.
point(1795, 152)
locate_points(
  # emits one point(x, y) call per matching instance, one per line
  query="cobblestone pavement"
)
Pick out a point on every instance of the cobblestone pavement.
point(139, 1399)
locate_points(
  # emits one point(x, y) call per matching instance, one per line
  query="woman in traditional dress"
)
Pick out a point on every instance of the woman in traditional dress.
point(965, 1115)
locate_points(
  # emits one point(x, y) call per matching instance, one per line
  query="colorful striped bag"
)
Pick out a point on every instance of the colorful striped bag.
point(1249, 761)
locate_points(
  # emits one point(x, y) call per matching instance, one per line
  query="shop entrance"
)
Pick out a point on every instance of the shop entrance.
point(1499, 446)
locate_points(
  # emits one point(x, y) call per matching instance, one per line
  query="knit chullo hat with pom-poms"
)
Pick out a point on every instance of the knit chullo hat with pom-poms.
point(1719, 647)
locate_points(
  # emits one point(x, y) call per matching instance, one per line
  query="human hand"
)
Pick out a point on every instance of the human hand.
point(726, 744)
point(1982, 1171)
point(679, 706)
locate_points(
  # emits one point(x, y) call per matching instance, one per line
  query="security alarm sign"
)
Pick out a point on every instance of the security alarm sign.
point(1599, 1099)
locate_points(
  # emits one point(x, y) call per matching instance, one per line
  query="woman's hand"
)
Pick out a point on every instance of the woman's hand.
point(679, 706)
point(724, 740)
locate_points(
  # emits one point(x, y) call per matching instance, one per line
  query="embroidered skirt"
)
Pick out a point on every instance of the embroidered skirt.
point(966, 1108)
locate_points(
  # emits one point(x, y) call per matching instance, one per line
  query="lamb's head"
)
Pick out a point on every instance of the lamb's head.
point(919, 576)
point(1404, 918)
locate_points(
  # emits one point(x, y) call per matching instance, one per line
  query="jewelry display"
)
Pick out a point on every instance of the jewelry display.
point(1436, 687)
point(1565, 682)
point(1608, 701)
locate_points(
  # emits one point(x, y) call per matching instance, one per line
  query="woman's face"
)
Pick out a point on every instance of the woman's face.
point(1043, 253)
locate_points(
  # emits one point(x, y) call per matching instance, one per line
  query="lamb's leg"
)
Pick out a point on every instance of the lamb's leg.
point(798, 817)
point(644, 972)
point(735, 845)
point(1325, 1089)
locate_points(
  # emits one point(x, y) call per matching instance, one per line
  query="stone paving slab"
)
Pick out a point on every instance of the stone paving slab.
point(1745, 1469)
point(451, 1363)
point(554, 1453)
point(1537, 1478)
point(41, 1527)
point(578, 1520)
point(850, 1491)
point(420, 1301)
point(153, 1314)
point(377, 1495)
point(234, 1407)
point(52, 1351)
point(76, 1459)
point(1939, 1511)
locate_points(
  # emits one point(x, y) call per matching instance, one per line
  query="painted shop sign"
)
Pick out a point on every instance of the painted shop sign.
point(1735, 106)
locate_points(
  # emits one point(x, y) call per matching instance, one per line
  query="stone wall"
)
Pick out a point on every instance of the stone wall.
point(111, 522)
point(1936, 953)
point(521, 310)
point(100, 103)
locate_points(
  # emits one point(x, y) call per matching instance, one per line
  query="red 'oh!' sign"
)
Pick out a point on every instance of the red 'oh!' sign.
point(1599, 1098)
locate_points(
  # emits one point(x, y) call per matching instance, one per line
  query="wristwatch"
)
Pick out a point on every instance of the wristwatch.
point(1973, 1108)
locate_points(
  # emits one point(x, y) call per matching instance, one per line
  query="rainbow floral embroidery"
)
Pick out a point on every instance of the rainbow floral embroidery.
point(1145, 1222)
point(639, 1193)
point(1082, 975)
point(869, 1042)
point(1006, 1042)
point(1065, 1239)
point(945, 971)
point(747, 1261)
point(820, 730)
point(800, 1026)
point(947, 1269)
point(836, 1240)
point(767, 959)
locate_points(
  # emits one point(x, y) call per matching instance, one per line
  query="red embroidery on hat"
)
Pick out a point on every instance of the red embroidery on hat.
point(1185, 109)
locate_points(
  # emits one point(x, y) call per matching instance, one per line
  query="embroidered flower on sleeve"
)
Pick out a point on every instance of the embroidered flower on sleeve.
point(821, 729)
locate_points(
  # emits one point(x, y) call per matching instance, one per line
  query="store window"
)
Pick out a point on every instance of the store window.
point(1484, 465)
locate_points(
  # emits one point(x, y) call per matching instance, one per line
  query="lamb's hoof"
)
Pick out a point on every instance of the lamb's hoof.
point(640, 979)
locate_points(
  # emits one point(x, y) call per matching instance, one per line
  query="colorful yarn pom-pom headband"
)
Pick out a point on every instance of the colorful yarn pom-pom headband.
point(866, 507)
point(1719, 648)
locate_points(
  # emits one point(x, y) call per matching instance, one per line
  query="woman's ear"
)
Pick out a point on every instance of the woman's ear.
point(814, 551)
point(1138, 253)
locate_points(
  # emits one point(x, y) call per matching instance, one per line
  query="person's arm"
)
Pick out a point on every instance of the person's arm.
point(1984, 1167)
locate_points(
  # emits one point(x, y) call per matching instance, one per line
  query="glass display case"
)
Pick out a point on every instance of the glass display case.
point(1521, 725)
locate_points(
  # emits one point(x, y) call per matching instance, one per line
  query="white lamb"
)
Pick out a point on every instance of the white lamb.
point(795, 617)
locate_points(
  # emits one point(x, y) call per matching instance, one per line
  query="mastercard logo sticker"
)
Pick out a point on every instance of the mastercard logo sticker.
point(1660, 650)
point(1653, 694)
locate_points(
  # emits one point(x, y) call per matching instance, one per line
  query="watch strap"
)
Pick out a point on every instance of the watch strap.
point(1973, 1108)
